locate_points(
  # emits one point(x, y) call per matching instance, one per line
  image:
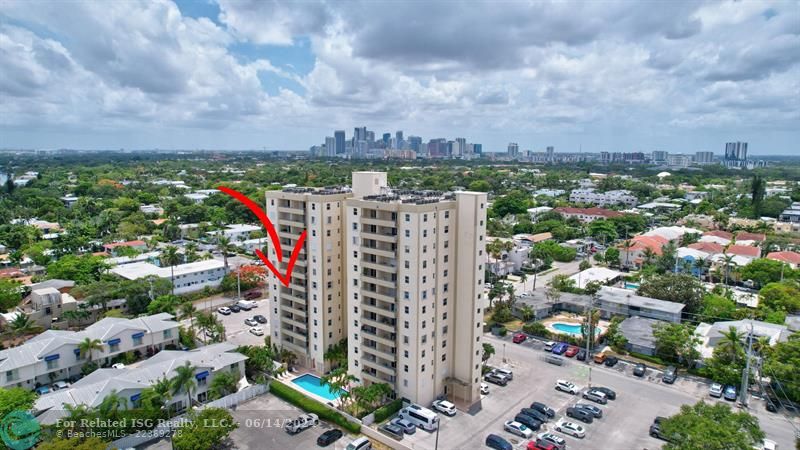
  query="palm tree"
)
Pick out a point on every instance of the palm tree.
point(731, 343)
point(183, 381)
point(337, 380)
point(762, 345)
point(649, 255)
point(700, 264)
point(187, 311)
point(22, 324)
point(224, 383)
point(190, 252)
point(527, 313)
point(627, 246)
point(88, 346)
point(224, 246)
point(488, 351)
point(155, 397)
point(111, 404)
point(171, 257)
point(728, 260)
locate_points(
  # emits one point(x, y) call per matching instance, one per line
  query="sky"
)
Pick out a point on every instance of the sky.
point(241, 74)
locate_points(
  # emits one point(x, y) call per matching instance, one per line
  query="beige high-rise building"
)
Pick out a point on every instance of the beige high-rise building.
point(308, 316)
point(414, 278)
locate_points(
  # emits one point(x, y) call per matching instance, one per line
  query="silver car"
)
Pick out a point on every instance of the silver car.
point(596, 396)
point(408, 427)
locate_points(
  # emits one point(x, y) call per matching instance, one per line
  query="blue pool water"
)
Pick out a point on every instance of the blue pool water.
point(313, 384)
point(631, 285)
point(569, 328)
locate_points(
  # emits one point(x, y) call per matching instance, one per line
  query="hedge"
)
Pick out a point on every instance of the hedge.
point(312, 406)
point(388, 410)
point(652, 359)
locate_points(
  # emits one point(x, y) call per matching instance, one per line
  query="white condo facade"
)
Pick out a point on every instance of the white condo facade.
point(406, 269)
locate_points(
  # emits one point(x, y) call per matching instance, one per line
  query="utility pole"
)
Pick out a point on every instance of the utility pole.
point(238, 284)
point(589, 334)
point(746, 373)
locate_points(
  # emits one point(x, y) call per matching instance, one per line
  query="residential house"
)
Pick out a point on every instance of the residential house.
point(638, 332)
point(137, 245)
point(587, 214)
point(790, 258)
point(712, 334)
point(190, 277)
point(236, 232)
point(636, 254)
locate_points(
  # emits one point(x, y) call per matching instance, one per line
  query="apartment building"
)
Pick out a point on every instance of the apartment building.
point(609, 198)
point(414, 278)
point(189, 277)
point(55, 355)
point(308, 315)
point(587, 215)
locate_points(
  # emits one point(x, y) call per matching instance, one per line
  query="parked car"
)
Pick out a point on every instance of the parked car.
point(518, 429)
point(252, 294)
point(260, 319)
point(729, 393)
point(566, 386)
point(715, 390)
point(392, 431)
point(251, 322)
point(246, 305)
point(41, 390)
point(58, 385)
point(599, 358)
point(301, 423)
point(555, 360)
point(639, 370)
point(655, 430)
point(571, 351)
point(570, 428)
point(581, 355)
point(484, 389)
point(533, 445)
point(548, 346)
point(445, 407)
point(538, 415)
point(258, 331)
point(595, 396)
point(528, 421)
point(542, 408)
point(560, 348)
point(594, 410)
point(361, 443)
point(235, 308)
point(497, 443)
point(670, 375)
point(495, 378)
point(551, 439)
point(224, 310)
point(406, 425)
point(611, 361)
point(610, 393)
point(118, 366)
point(329, 437)
point(580, 414)
point(505, 372)
point(519, 338)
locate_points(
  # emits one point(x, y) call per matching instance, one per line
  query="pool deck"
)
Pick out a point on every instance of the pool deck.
point(571, 319)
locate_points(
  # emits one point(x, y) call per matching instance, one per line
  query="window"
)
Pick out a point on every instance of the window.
point(355, 267)
point(137, 341)
point(444, 329)
point(444, 302)
point(423, 367)
point(408, 217)
point(425, 264)
point(355, 226)
point(424, 233)
point(12, 375)
point(424, 338)
point(328, 233)
point(423, 326)
point(405, 339)
point(424, 249)
point(424, 217)
point(424, 294)
point(446, 244)
point(444, 344)
point(446, 258)
point(408, 233)
point(446, 229)
point(424, 279)
point(355, 211)
point(444, 357)
point(405, 368)
point(328, 206)
point(113, 347)
point(447, 214)
point(406, 264)
point(167, 334)
point(423, 353)
point(406, 295)
point(444, 273)
point(424, 308)
point(444, 316)
point(52, 364)
point(405, 324)
point(446, 285)
point(406, 309)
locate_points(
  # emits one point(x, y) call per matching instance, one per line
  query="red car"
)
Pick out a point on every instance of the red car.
point(532, 445)
point(571, 351)
point(519, 337)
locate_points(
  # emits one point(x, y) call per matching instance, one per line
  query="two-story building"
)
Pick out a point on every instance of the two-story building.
point(55, 354)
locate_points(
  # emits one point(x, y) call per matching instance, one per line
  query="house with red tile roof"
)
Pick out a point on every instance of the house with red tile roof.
point(712, 248)
point(587, 214)
point(745, 236)
point(634, 256)
point(743, 250)
point(791, 258)
point(138, 245)
point(719, 233)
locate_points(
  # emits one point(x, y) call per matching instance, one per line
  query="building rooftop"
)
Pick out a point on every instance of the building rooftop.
point(628, 297)
point(137, 270)
point(598, 274)
point(787, 257)
point(589, 211)
point(639, 331)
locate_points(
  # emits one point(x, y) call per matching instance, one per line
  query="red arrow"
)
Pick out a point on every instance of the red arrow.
point(262, 216)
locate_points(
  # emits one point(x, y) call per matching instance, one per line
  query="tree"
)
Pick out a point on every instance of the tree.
point(602, 230)
point(679, 288)
point(480, 186)
point(88, 346)
point(716, 308)
point(10, 294)
point(337, 380)
point(23, 324)
point(183, 381)
point(515, 202)
point(611, 256)
point(222, 384)
point(225, 246)
point(764, 271)
point(781, 365)
point(488, 351)
point(676, 342)
point(15, 399)
point(171, 257)
point(208, 429)
point(585, 264)
point(164, 304)
point(730, 345)
point(758, 188)
point(111, 404)
point(187, 311)
point(728, 260)
point(81, 269)
point(337, 354)
point(712, 427)
point(527, 312)
point(780, 296)
point(74, 443)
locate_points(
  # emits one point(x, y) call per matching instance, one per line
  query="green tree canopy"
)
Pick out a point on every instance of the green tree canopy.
point(81, 269)
point(515, 202)
point(780, 296)
point(712, 427)
point(15, 398)
point(676, 342)
point(10, 294)
point(764, 271)
point(679, 288)
point(207, 429)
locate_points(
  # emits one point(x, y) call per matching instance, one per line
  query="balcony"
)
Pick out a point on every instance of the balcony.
point(382, 351)
point(377, 378)
point(296, 335)
point(382, 323)
point(379, 336)
point(376, 308)
point(390, 268)
point(387, 295)
point(381, 237)
point(376, 364)
point(294, 321)
point(378, 221)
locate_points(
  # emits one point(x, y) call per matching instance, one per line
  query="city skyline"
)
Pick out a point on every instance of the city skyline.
point(209, 74)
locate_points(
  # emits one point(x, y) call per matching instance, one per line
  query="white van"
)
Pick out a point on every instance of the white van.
point(246, 305)
point(419, 416)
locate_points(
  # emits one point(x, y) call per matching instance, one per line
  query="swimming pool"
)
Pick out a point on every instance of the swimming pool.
point(633, 286)
point(313, 384)
point(569, 328)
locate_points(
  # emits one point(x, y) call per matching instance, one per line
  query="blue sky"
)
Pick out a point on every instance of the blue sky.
point(246, 74)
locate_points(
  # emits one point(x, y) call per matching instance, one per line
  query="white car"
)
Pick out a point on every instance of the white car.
point(58, 385)
point(224, 310)
point(118, 366)
point(571, 428)
point(548, 346)
point(250, 321)
point(301, 423)
point(445, 407)
point(518, 429)
point(484, 389)
point(258, 331)
point(715, 390)
point(567, 386)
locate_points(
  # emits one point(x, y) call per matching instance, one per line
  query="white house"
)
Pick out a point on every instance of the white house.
point(129, 382)
point(236, 232)
point(189, 277)
point(618, 197)
point(711, 334)
point(55, 355)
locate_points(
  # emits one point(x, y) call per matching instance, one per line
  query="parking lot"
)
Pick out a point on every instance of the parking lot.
point(236, 331)
point(625, 422)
